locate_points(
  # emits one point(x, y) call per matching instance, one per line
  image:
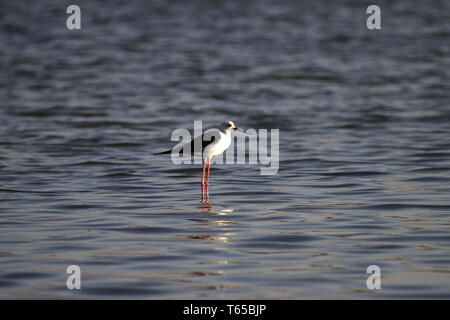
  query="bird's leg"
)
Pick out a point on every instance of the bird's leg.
point(203, 179)
point(207, 180)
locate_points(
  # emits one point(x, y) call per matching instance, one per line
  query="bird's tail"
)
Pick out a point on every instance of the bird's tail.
point(164, 152)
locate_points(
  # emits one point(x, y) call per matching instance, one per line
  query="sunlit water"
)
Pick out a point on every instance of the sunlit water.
point(364, 178)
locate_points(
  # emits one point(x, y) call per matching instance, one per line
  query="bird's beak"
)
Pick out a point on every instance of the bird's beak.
point(238, 129)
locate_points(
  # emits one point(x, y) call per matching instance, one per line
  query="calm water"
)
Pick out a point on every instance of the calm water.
point(364, 119)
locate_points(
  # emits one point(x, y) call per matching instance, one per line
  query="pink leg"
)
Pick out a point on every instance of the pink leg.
point(203, 180)
point(207, 180)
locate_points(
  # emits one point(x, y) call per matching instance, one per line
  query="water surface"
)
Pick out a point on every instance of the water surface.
point(364, 120)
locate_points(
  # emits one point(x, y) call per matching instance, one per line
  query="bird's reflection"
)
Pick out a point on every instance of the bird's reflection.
point(208, 208)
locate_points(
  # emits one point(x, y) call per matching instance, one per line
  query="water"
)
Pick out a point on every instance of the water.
point(364, 150)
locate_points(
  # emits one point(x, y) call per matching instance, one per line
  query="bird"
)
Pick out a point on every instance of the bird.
point(213, 142)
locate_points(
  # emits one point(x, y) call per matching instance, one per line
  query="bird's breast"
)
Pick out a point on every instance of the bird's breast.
point(218, 147)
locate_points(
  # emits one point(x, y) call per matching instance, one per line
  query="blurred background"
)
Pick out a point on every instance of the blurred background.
point(364, 119)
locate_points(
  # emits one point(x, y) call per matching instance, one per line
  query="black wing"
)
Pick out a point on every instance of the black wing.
point(192, 144)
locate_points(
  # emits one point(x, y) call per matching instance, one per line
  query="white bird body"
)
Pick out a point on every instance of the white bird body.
point(218, 146)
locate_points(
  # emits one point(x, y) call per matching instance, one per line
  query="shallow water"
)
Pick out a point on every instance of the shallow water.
point(364, 150)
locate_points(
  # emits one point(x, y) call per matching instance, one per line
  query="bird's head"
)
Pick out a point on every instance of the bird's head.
point(228, 126)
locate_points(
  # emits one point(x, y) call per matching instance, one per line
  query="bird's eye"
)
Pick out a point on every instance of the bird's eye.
point(229, 125)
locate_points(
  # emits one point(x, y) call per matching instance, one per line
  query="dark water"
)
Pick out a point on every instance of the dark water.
point(364, 119)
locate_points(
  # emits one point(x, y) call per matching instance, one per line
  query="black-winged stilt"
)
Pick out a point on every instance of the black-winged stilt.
point(213, 142)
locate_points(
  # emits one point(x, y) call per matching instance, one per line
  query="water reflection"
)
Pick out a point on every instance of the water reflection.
point(215, 238)
point(208, 208)
point(209, 222)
